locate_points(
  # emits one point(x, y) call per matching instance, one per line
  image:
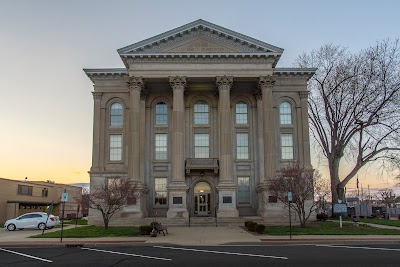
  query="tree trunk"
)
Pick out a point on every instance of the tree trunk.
point(335, 181)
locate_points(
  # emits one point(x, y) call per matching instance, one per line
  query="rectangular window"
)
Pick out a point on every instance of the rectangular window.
point(160, 191)
point(25, 190)
point(161, 147)
point(45, 192)
point(201, 146)
point(287, 145)
point(242, 146)
point(244, 190)
point(115, 147)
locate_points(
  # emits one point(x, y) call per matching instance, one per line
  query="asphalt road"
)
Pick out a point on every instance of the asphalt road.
point(240, 255)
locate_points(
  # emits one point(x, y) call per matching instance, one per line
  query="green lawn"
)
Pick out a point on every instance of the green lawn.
point(92, 231)
point(381, 221)
point(329, 228)
point(80, 222)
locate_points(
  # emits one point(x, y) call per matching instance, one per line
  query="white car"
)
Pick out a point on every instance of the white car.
point(32, 220)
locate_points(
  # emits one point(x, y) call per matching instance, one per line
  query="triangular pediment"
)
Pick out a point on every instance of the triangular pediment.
point(199, 37)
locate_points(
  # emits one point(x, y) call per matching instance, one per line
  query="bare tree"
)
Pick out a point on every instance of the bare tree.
point(303, 186)
point(112, 196)
point(387, 196)
point(354, 108)
point(83, 201)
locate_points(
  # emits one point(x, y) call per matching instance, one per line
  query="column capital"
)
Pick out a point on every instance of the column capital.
point(304, 94)
point(177, 82)
point(224, 82)
point(97, 95)
point(136, 83)
point(266, 82)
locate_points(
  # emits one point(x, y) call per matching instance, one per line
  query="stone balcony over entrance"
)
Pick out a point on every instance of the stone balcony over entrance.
point(201, 164)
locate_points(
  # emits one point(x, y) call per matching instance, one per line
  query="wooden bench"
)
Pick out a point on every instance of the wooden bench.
point(160, 228)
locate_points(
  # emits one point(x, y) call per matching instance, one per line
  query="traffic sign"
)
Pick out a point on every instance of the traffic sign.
point(289, 196)
point(64, 197)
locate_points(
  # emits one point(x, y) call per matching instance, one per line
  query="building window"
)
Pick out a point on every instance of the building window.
point(116, 115)
point(25, 190)
point(201, 146)
point(161, 147)
point(160, 189)
point(241, 113)
point(242, 146)
point(244, 190)
point(287, 145)
point(161, 114)
point(115, 147)
point(201, 113)
point(285, 113)
point(45, 192)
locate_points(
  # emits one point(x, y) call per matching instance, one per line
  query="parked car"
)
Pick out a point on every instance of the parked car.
point(32, 220)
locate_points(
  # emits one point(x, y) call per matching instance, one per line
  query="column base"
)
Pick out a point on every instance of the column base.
point(177, 201)
point(227, 200)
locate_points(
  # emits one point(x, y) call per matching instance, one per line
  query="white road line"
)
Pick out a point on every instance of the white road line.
point(25, 255)
point(127, 254)
point(223, 252)
point(367, 248)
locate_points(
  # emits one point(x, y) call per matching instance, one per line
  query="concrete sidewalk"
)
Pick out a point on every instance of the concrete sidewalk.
point(192, 236)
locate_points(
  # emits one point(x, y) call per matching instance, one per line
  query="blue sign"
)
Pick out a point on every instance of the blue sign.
point(340, 208)
point(64, 197)
point(289, 196)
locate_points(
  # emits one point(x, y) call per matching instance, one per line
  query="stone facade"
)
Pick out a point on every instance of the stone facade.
point(199, 119)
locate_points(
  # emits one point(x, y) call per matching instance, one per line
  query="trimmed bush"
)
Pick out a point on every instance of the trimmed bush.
point(246, 223)
point(145, 229)
point(322, 217)
point(154, 223)
point(260, 228)
point(251, 226)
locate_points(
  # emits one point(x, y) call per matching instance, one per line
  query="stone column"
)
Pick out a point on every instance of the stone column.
point(226, 187)
point(177, 189)
point(305, 127)
point(96, 131)
point(266, 84)
point(135, 84)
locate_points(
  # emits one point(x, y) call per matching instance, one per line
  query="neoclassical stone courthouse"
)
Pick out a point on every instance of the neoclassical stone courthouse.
point(200, 118)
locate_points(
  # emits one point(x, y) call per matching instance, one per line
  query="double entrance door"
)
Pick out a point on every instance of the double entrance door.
point(202, 204)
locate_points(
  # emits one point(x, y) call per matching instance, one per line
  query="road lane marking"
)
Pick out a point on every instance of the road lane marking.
point(223, 252)
point(26, 255)
point(127, 254)
point(367, 248)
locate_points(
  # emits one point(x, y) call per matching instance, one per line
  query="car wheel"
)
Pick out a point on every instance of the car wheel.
point(42, 226)
point(11, 227)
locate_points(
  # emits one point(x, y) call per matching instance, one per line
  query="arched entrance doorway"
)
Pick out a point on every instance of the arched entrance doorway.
point(202, 199)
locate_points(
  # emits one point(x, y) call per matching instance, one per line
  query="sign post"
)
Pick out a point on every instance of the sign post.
point(64, 198)
point(341, 210)
point(290, 198)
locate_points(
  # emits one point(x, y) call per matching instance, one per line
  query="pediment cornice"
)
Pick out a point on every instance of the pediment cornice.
point(200, 28)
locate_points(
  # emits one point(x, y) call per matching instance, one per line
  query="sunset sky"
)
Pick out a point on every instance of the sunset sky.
point(46, 107)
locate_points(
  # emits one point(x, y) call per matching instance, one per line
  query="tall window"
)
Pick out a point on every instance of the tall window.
point(116, 115)
point(287, 145)
point(160, 191)
point(241, 113)
point(285, 113)
point(242, 146)
point(201, 146)
point(115, 147)
point(244, 190)
point(161, 147)
point(201, 113)
point(161, 114)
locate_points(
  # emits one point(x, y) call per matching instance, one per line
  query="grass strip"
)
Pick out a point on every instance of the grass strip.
point(329, 228)
point(92, 231)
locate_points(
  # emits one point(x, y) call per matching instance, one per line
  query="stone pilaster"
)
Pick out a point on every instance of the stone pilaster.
point(305, 127)
point(96, 131)
point(226, 186)
point(266, 83)
point(178, 189)
point(135, 85)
